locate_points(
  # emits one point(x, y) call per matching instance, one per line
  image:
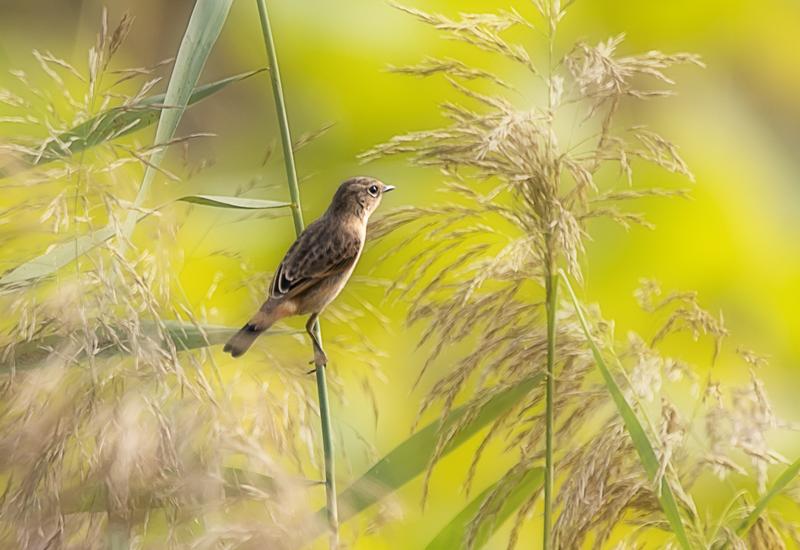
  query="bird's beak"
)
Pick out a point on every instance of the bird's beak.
point(387, 188)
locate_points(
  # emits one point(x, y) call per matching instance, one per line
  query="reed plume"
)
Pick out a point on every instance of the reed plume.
point(523, 174)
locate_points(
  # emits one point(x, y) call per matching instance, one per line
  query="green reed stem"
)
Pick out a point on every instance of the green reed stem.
point(551, 292)
point(297, 216)
point(118, 533)
point(283, 120)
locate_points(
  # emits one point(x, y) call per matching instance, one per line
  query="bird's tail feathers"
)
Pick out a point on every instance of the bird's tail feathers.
point(242, 340)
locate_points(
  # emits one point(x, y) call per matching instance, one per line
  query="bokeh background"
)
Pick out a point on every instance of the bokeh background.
point(737, 123)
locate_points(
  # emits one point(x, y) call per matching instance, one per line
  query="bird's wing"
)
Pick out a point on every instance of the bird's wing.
point(316, 254)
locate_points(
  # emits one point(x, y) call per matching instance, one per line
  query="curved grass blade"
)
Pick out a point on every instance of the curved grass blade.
point(644, 448)
point(411, 457)
point(780, 484)
point(119, 121)
point(238, 483)
point(68, 251)
point(60, 255)
point(452, 535)
point(202, 32)
point(241, 203)
point(183, 335)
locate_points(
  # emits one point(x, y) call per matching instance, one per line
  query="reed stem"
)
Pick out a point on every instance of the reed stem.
point(119, 532)
point(551, 291)
point(297, 217)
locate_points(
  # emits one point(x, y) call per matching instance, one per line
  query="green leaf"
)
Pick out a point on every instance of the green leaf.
point(780, 484)
point(410, 458)
point(92, 498)
point(121, 121)
point(453, 534)
point(59, 256)
point(183, 335)
point(644, 448)
point(204, 27)
point(202, 32)
point(67, 251)
point(241, 203)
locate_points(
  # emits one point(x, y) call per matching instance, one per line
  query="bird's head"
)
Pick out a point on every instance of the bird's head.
point(359, 196)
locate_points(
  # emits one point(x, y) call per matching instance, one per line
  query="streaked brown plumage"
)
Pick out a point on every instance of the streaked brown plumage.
point(317, 265)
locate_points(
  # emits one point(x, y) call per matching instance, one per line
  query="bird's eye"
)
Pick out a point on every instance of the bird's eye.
point(373, 190)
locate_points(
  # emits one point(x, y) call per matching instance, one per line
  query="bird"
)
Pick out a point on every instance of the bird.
point(317, 265)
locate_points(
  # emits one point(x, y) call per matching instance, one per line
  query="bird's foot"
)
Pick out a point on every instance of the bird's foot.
point(320, 359)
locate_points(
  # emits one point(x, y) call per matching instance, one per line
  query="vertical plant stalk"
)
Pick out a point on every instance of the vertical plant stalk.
point(119, 532)
point(551, 291)
point(297, 216)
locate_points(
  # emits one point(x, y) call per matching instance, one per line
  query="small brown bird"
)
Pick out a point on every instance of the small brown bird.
point(317, 265)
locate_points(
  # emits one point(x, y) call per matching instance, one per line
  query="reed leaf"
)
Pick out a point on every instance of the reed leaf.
point(644, 448)
point(238, 483)
point(183, 335)
point(241, 203)
point(411, 457)
point(118, 122)
point(68, 251)
point(453, 534)
point(201, 33)
point(60, 255)
point(780, 484)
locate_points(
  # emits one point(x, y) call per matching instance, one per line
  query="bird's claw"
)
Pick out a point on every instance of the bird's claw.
point(319, 360)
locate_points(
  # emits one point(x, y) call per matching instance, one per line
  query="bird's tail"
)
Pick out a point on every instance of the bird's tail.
point(242, 340)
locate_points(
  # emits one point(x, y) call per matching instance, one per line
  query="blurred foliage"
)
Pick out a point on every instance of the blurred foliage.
point(735, 241)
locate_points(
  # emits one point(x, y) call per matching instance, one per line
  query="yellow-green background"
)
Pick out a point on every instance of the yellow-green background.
point(737, 123)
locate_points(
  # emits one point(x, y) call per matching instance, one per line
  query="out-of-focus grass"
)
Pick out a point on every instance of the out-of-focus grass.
point(734, 242)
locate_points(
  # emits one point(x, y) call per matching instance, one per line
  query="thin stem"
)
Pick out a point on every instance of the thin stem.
point(551, 291)
point(283, 120)
point(297, 216)
point(327, 449)
point(118, 533)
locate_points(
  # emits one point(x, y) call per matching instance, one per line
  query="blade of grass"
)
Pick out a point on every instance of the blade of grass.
point(238, 483)
point(644, 448)
point(240, 203)
point(411, 457)
point(66, 252)
point(118, 122)
point(297, 216)
point(786, 477)
point(183, 335)
point(202, 32)
point(59, 256)
point(452, 535)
